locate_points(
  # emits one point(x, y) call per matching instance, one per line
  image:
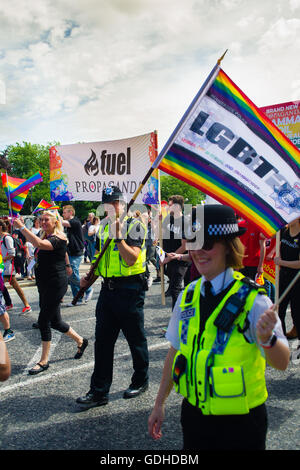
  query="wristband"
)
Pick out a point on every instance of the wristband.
point(68, 265)
point(270, 343)
point(22, 228)
point(118, 240)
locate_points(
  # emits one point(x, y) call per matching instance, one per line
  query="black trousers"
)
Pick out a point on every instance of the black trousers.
point(119, 309)
point(176, 271)
point(292, 298)
point(233, 432)
point(51, 294)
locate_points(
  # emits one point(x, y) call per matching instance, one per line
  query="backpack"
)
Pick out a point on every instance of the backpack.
point(19, 257)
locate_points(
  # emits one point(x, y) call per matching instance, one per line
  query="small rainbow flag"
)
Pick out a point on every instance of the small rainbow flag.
point(10, 184)
point(44, 205)
point(27, 184)
point(227, 148)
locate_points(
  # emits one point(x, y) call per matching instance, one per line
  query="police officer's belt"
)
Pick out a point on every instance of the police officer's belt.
point(129, 282)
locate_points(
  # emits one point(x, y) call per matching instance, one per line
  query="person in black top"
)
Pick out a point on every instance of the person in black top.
point(52, 282)
point(75, 250)
point(174, 242)
point(289, 262)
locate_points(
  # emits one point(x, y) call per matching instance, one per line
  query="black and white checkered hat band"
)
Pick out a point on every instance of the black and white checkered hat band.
point(223, 229)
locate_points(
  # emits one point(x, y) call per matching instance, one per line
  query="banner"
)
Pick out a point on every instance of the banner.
point(80, 172)
point(286, 116)
point(227, 148)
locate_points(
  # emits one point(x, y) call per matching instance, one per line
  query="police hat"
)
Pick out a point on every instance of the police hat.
point(220, 222)
point(111, 194)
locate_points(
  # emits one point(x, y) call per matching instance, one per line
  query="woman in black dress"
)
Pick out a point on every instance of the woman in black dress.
point(289, 262)
point(52, 272)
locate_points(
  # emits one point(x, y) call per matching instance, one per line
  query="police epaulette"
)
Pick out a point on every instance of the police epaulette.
point(190, 292)
point(251, 283)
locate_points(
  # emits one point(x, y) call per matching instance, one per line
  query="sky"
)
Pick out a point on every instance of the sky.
point(97, 70)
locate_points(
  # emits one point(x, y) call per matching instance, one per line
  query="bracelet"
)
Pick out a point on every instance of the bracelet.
point(22, 228)
point(179, 257)
point(68, 265)
point(270, 343)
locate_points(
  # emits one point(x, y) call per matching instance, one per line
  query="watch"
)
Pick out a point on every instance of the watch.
point(270, 343)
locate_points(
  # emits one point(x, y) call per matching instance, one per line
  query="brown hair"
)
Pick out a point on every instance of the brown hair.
point(234, 253)
point(177, 199)
point(69, 208)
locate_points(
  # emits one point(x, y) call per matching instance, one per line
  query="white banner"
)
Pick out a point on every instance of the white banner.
point(80, 172)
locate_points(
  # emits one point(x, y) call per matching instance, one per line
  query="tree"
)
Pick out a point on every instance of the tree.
point(25, 160)
point(4, 166)
point(171, 186)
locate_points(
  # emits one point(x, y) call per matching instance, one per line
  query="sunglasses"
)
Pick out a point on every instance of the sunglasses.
point(208, 245)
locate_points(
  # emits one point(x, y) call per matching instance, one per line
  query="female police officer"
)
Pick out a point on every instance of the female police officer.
point(222, 331)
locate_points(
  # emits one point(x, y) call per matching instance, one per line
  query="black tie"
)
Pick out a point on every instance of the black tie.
point(207, 289)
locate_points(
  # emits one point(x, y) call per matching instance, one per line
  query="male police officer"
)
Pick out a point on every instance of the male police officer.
point(121, 301)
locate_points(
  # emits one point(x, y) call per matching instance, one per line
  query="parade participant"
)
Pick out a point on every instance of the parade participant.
point(52, 282)
point(75, 251)
point(289, 262)
point(121, 302)
point(5, 367)
point(8, 254)
point(174, 242)
point(222, 331)
point(255, 249)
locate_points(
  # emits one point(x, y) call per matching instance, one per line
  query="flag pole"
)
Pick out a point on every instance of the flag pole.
point(277, 269)
point(9, 199)
point(90, 276)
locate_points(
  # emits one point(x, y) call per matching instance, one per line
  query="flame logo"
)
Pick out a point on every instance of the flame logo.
point(91, 167)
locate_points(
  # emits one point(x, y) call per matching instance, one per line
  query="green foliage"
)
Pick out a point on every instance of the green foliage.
point(170, 186)
point(25, 160)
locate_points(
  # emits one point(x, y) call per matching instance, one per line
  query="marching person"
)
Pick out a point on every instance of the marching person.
point(289, 262)
point(222, 331)
point(75, 251)
point(5, 366)
point(52, 272)
point(8, 253)
point(121, 302)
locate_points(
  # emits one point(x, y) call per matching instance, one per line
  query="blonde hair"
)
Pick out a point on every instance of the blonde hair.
point(69, 208)
point(58, 229)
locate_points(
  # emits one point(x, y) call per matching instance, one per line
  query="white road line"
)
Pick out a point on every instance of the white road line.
point(56, 336)
point(87, 365)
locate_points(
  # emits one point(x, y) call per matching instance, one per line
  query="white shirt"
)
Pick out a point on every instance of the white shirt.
point(219, 283)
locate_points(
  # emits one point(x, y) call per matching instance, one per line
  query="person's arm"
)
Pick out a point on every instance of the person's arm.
point(5, 367)
point(287, 264)
point(129, 253)
point(68, 266)
point(65, 223)
point(158, 413)
point(36, 241)
point(278, 355)
point(262, 244)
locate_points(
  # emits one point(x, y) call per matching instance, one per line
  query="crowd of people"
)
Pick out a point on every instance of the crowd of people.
point(223, 327)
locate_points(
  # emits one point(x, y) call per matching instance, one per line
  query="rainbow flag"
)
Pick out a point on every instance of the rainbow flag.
point(44, 205)
point(27, 184)
point(10, 184)
point(227, 148)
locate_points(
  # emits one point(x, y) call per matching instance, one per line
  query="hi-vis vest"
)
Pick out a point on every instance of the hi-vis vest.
point(111, 263)
point(220, 373)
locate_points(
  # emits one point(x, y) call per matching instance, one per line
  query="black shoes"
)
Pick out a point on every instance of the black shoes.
point(41, 368)
point(133, 391)
point(92, 399)
point(81, 349)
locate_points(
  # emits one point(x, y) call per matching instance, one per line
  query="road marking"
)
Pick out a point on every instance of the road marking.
point(44, 378)
point(56, 336)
